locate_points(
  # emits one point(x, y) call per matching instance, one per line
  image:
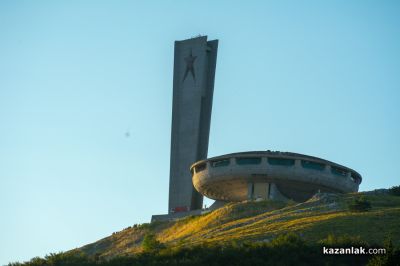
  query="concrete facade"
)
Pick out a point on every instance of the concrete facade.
point(271, 175)
point(193, 86)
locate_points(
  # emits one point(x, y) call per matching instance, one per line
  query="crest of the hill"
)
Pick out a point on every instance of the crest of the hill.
point(324, 214)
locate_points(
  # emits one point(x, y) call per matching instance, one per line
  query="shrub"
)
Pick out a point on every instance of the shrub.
point(288, 240)
point(143, 226)
point(392, 256)
point(360, 204)
point(395, 191)
point(150, 243)
point(341, 241)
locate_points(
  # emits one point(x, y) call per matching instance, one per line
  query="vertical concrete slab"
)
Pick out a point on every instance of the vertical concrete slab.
point(194, 72)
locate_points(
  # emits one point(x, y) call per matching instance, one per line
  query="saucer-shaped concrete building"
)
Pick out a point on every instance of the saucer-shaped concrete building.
point(270, 175)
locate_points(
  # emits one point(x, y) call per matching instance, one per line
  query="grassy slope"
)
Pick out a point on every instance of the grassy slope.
point(262, 221)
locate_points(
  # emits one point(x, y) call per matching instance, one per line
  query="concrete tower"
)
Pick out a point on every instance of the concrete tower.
point(194, 71)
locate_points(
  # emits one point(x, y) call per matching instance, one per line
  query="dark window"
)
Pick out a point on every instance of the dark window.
point(281, 161)
point(313, 165)
point(219, 163)
point(338, 171)
point(249, 160)
point(200, 167)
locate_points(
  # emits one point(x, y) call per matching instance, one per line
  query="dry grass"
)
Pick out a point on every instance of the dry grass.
point(262, 221)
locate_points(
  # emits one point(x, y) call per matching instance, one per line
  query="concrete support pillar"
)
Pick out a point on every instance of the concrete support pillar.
point(250, 191)
point(275, 194)
point(258, 190)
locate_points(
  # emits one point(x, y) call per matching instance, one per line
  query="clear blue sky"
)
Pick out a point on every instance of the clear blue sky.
point(314, 77)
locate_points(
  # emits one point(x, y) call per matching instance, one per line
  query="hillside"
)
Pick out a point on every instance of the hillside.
point(263, 221)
